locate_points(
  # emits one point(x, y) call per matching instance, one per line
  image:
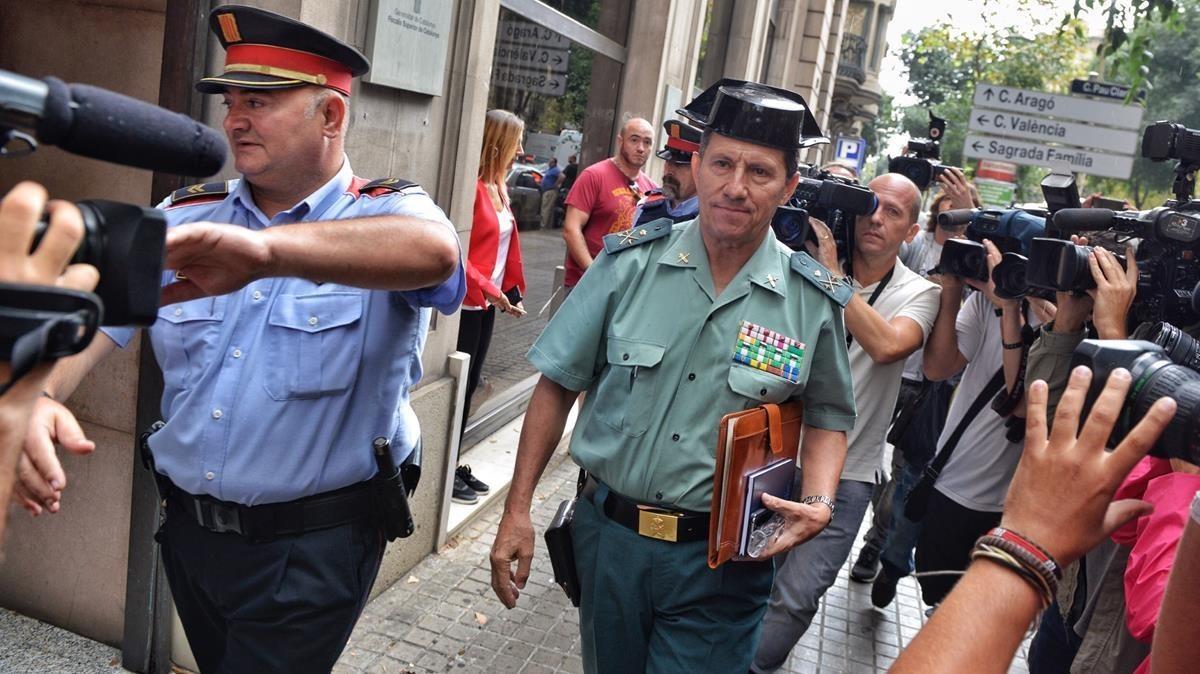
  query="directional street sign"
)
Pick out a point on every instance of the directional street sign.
point(1034, 154)
point(526, 32)
point(533, 58)
point(549, 84)
point(1058, 106)
point(1026, 127)
point(1118, 92)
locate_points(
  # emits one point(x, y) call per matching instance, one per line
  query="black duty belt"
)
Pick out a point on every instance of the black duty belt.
point(651, 521)
point(270, 520)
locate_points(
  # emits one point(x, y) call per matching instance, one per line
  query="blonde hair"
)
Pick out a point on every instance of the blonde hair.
point(502, 131)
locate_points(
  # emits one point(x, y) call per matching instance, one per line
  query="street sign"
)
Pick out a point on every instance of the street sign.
point(1058, 106)
point(549, 84)
point(526, 32)
point(533, 58)
point(851, 151)
point(1000, 171)
point(1047, 156)
point(1027, 127)
point(1117, 92)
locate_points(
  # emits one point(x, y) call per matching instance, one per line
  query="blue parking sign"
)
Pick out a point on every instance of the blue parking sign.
point(850, 151)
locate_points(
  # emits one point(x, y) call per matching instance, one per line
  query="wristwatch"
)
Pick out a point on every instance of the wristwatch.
point(823, 500)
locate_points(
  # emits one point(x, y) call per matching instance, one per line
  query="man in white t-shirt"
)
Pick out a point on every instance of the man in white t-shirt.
point(888, 318)
point(980, 339)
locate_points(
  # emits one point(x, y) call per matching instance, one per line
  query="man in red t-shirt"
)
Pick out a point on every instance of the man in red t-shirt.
point(604, 197)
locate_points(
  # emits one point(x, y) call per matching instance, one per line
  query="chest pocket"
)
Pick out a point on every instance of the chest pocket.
point(185, 336)
point(627, 391)
point(314, 344)
point(761, 387)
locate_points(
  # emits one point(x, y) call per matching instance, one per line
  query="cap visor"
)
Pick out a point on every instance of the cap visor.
point(218, 83)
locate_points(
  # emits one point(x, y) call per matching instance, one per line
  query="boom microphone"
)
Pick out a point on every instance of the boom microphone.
point(1083, 219)
point(101, 124)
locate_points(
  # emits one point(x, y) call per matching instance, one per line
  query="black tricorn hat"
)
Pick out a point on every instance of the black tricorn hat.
point(757, 113)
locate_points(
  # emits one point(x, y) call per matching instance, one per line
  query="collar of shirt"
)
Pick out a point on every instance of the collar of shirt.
point(764, 268)
point(689, 205)
point(310, 208)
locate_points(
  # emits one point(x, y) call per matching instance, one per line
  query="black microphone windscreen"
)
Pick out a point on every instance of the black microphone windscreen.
point(955, 218)
point(1083, 219)
point(113, 127)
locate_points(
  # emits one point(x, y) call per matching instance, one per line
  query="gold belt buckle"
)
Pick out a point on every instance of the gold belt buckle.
point(658, 524)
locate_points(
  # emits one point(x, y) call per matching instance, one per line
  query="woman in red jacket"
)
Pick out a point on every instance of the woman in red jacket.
point(495, 277)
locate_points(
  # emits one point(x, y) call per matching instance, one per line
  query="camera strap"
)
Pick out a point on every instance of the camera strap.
point(874, 296)
point(39, 324)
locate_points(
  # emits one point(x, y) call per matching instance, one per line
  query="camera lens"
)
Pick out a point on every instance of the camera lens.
point(1009, 277)
point(1180, 346)
point(790, 226)
point(1181, 438)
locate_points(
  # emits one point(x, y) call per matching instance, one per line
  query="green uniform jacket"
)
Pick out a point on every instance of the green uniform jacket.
point(654, 347)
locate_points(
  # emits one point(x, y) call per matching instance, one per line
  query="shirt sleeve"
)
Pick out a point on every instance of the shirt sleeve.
point(583, 192)
point(923, 308)
point(971, 325)
point(829, 393)
point(570, 350)
point(447, 295)
point(1050, 361)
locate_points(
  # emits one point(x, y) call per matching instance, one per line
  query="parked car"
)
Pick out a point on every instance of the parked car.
point(523, 181)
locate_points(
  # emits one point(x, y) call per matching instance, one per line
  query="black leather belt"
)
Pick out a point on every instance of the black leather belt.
point(270, 520)
point(651, 521)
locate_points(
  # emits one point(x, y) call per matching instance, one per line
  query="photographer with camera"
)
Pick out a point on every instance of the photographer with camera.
point(1059, 506)
point(961, 493)
point(291, 333)
point(47, 265)
point(887, 318)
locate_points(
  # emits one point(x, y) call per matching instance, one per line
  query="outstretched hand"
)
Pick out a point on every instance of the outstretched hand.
point(1061, 494)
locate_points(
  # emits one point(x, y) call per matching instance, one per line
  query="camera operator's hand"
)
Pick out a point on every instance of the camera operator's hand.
point(988, 288)
point(213, 259)
point(1070, 522)
point(954, 183)
point(825, 250)
point(47, 265)
point(1114, 293)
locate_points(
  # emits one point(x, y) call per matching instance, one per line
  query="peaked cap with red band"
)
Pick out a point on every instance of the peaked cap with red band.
point(682, 141)
point(265, 50)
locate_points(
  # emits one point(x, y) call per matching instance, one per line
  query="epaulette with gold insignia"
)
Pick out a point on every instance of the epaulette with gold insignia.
point(198, 194)
point(837, 288)
point(657, 229)
point(385, 185)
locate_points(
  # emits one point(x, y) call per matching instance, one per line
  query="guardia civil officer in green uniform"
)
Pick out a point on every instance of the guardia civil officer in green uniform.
point(651, 333)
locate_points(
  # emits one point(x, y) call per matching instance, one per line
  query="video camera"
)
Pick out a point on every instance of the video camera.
point(1156, 372)
point(922, 164)
point(1168, 275)
point(1012, 231)
point(834, 200)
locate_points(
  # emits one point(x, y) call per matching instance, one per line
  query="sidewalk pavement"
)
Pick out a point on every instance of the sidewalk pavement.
point(444, 617)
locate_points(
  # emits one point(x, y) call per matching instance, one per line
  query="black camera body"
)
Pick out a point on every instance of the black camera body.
point(1061, 266)
point(1165, 140)
point(126, 244)
point(1154, 375)
point(922, 164)
point(834, 200)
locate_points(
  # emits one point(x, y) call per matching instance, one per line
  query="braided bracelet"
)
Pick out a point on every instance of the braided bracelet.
point(1035, 580)
point(1034, 549)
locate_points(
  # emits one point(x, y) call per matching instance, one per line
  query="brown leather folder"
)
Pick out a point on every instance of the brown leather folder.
point(746, 441)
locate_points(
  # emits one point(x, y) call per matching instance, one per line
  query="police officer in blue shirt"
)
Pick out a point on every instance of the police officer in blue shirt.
point(677, 198)
point(289, 336)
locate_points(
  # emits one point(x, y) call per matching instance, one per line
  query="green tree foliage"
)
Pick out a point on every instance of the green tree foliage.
point(1124, 53)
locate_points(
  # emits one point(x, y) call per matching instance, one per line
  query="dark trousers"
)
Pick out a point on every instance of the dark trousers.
point(948, 533)
point(286, 605)
point(474, 338)
point(1054, 644)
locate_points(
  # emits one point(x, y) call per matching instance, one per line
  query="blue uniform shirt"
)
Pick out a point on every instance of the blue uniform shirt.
point(275, 391)
point(681, 211)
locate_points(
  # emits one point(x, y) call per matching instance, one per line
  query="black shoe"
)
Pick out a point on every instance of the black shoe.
point(883, 590)
point(464, 473)
point(866, 567)
point(462, 493)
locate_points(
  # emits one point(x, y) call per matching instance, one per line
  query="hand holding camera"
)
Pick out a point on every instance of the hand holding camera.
point(1114, 291)
point(954, 183)
point(824, 249)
